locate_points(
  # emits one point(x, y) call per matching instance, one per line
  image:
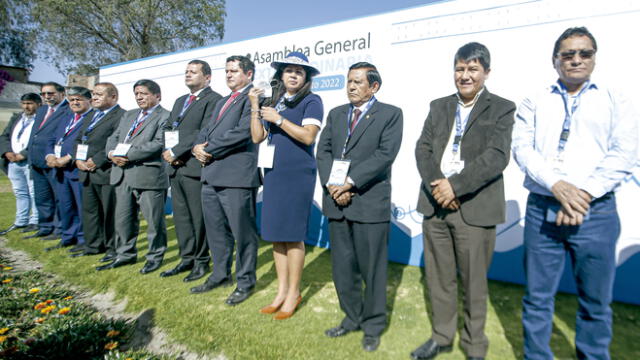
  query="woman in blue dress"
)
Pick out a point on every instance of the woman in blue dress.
point(288, 122)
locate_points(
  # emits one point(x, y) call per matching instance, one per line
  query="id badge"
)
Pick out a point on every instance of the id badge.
point(339, 171)
point(121, 149)
point(57, 151)
point(266, 153)
point(81, 153)
point(456, 166)
point(171, 139)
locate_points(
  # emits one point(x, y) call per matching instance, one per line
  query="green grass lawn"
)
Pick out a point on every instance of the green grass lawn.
point(206, 325)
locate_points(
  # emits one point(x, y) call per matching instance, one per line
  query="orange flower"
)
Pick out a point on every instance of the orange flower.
point(40, 320)
point(49, 301)
point(64, 310)
point(2, 339)
point(68, 298)
point(40, 305)
point(48, 309)
point(34, 290)
point(111, 345)
point(4, 330)
point(113, 333)
point(6, 281)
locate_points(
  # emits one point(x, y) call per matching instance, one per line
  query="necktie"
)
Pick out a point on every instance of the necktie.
point(46, 117)
point(144, 115)
point(191, 98)
point(25, 123)
point(354, 120)
point(187, 104)
point(227, 104)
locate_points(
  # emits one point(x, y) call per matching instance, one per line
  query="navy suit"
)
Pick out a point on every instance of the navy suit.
point(68, 188)
point(42, 138)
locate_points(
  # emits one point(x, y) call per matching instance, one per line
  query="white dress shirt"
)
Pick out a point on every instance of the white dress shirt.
point(19, 143)
point(601, 148)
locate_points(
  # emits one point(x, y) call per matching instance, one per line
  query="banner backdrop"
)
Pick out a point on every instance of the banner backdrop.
point(413, 50)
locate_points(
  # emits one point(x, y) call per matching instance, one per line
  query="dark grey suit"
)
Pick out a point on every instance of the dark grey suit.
point(359, 231)
point(140, 185)
point(185, 175)
point(98, 196)
point(229, 186)
point(462, 241)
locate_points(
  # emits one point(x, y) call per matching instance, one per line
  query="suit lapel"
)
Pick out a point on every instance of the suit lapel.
point(481, 105)
point(362, 125)
point(452, 105)
point(146, 122)
point(231, 106)
point(206, 91)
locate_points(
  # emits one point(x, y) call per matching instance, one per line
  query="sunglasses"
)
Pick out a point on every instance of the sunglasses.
point(585, 54)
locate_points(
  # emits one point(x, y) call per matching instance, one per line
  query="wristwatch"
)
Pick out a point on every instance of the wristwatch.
point(279, 121)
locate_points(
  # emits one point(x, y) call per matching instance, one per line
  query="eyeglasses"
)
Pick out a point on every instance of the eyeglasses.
point(585, 54)
point(51, 93)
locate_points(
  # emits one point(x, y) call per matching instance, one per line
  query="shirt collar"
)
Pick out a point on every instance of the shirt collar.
point(149, 111)
point(106, 111)
point(559, 88)
point(243, 89)
point(197, 92)
point(473, 102)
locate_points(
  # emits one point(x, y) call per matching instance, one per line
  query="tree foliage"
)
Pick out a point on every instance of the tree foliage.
point(17, 39)
point(81, 35)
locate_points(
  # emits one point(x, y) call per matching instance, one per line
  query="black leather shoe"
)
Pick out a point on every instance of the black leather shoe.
point(429, 350)
point(116, 264)
point(108, 258)
point(337, 331)
point(370, 343)
point(150, 266)
point(40, 233)
point(238, 296)
point(11, 228)
point(78, 254)
point(50, 237)
point(57, 246)
point(196, 273)
point(182, 267)
point(77, 249)
point(29, 228)
point(208, 286)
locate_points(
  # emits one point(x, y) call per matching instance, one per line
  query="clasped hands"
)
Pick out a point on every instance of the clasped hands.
point(341, 194)
point(87, 165)
point(172, 160)
point(442, 192)
point(201, 155)
point(575, 203)
point(54, 162)
point(118, 160)
point(13, 157)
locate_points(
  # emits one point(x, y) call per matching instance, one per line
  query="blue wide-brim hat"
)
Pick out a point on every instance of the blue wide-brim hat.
point(296, 58)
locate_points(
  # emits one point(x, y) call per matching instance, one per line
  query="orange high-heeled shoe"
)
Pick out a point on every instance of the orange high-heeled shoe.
point(270, 309)
point(281, 315)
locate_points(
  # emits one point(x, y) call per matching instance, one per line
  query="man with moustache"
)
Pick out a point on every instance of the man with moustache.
point(60, 158)
point(43, 138)
point(135, 148)
point(575, 140)
point(190, 113)
point(98, 196)
point(13, 160)
point(230, 180)
point(463, 149)
point(356, 150)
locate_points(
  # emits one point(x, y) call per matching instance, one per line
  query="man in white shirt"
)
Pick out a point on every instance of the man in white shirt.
point(576, 141)
point(13, 151)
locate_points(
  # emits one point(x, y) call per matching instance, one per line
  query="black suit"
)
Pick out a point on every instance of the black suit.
point(98, 196)
point(5, 142)
point(185, 175)
point(461, 242)
point(229, 186)
point(359, 231)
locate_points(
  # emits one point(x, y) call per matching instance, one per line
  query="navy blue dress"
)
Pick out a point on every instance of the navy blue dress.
point(288, 186)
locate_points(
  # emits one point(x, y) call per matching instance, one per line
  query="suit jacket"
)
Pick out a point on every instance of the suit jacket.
point(197, 115)
point(372, 149)
point(5, 142)
point(484, 148)
point(235, 156)
point(97, 140)
point(43, 139)
point(145, 169)
point(68, 145)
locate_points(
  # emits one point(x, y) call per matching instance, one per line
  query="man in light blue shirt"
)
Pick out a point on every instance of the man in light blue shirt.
point(576, 141)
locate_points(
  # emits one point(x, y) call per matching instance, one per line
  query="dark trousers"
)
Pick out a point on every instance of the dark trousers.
point(186, 197)
point(98, 210)
point(127, 225)
point(69, 193)
point(591, 247)
point(359, 254)
point(452, 248)
point(230, 216)
point(43, 187)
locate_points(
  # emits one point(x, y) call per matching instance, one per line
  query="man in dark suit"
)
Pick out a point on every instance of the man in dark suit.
point(42, 138)
point(60, 158)
point(356, 150)
point(98, 196)
point(230, 180)
point(190, 113)
point(13, 161)
point(135, 148)
point(463, 149)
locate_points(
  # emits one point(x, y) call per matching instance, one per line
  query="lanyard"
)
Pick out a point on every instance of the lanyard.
point(460, 126)
point(187, 102)
point(93, 124)
point(569, 111)
point(141, 118)
point(72, 125)
point(25, 123)
point(367, 106)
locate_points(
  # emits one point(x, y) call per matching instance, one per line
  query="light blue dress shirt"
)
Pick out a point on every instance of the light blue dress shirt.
point(601, 150)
